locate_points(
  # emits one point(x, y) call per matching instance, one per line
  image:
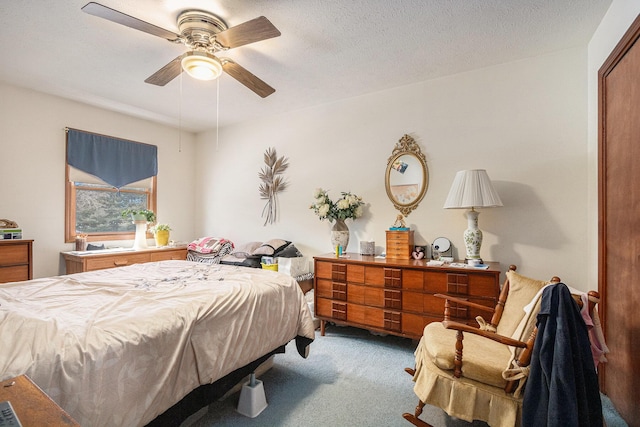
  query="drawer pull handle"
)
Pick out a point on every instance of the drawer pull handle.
point(119, 263)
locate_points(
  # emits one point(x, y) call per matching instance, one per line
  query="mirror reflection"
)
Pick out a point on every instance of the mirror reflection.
point(406, 178)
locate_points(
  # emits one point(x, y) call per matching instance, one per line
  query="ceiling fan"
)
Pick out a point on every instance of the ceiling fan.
point(205, 35)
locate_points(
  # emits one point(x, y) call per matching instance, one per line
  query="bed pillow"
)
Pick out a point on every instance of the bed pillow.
point(270, 247)
point(290, 251)
point(246, 250)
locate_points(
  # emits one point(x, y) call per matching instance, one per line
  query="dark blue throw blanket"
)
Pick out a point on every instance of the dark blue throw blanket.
point(562, 389)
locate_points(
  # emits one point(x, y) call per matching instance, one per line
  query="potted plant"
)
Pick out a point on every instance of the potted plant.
point(139, 214)
point(161, 233)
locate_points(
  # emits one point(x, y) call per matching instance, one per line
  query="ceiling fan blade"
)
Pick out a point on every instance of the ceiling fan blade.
point(101, 11)
point(248, 32)
point(247, 78)
point(167, 73)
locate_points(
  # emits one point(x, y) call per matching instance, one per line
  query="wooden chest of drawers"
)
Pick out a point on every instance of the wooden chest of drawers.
point(399, 244)
point(397, 296)
point(78, 263)
point(16, 260)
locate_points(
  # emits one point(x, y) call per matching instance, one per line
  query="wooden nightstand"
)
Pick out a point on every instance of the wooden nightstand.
point(16, 260)
point(32, 405)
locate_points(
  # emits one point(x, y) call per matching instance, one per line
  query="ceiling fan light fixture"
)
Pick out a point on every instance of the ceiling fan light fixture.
point(202, 66)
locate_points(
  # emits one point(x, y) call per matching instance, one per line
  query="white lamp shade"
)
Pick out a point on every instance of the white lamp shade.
point(472, 189)
point(201, 65)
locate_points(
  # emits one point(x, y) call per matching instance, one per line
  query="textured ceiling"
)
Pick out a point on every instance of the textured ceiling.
point(329, 50)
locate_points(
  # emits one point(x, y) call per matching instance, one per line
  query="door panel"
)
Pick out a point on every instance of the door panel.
point(619, 222)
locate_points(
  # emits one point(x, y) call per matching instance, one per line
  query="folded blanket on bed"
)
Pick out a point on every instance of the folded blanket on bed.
point(208, 245)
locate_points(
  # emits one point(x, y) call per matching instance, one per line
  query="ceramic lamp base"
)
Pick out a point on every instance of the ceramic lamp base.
point(473, 237)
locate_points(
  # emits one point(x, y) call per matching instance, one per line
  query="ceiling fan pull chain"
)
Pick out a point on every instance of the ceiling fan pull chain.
point(180, 118)
point(217, 111)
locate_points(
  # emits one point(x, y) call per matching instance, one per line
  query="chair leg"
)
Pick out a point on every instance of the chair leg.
point(413, 418)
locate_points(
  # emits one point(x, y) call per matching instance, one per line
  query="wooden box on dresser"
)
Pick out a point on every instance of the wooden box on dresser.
point(16, 260)
point(87, 261)
point(399, 244)
point(396, 296)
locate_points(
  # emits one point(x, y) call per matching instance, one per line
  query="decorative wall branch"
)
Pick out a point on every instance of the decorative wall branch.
point(272, 183)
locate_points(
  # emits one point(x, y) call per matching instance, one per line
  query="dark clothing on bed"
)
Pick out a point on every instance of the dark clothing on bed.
point(562, 389)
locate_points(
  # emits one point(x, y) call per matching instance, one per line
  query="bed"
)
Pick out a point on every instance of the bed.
point(122, 346)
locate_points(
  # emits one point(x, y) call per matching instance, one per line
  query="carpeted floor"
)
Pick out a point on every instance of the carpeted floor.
point(351, 378)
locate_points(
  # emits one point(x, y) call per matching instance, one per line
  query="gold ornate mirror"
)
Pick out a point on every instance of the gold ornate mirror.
point(407, 176)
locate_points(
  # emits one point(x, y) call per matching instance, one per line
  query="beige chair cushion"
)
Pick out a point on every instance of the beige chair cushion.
point(521, 291)
point(483, 360)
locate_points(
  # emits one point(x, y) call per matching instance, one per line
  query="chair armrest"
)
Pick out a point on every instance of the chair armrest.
point(462, 327)
point(466, 303)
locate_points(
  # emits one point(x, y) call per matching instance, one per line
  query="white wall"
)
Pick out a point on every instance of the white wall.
point(530, 123)
point(32, 168)
point(525, 122)
point(615, 23)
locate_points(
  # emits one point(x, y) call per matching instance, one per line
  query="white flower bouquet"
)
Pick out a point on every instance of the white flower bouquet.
point(347, 206)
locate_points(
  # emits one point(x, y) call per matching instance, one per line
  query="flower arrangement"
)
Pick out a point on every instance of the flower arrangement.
point(159, 227)
point(347, 206)
point(150, 216)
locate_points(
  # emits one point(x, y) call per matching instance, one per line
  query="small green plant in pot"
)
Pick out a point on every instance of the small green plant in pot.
point(161, 233)
point(139, 214)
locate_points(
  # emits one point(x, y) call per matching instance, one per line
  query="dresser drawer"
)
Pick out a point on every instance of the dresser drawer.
point(402, 237)
point(116, 261)
point(16, 273)
point(331, 270)
point(14, 254)
point(331, 309)
point(168, 255)
point(330, 289)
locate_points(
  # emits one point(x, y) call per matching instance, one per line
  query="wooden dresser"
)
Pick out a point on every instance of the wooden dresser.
point(32, 406)
point(396, 296)
point(78, 262)
point(16, 260)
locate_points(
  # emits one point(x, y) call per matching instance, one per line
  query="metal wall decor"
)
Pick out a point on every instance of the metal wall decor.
point(272, 183)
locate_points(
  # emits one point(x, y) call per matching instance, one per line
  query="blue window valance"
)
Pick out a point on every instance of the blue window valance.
point(117, 162)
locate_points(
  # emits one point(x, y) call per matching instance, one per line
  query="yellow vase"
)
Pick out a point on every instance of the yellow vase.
point(162, 238)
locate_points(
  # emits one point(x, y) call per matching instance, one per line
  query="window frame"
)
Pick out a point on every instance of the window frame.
point(70, 210)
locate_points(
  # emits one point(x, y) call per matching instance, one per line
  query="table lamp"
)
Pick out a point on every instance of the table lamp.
point(472, 189)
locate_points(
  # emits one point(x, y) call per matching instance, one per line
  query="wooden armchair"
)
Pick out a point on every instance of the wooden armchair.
point(477, 373)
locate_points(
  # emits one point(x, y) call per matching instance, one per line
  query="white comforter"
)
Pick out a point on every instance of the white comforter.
point(120, 346)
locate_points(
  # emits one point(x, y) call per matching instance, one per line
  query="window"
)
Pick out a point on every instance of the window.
point(104, 176)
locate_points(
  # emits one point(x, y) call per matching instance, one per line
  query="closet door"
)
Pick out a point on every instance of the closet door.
point(619, 222)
